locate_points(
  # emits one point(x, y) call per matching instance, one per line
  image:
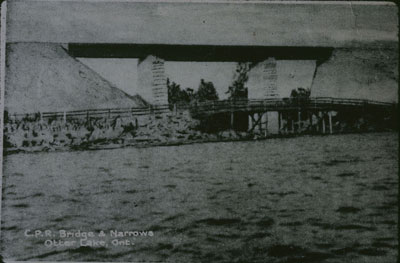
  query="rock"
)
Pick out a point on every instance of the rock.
point(225, 134)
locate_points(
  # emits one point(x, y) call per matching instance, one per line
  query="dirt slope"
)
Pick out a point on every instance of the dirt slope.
point(359, 73)
point(43, 77)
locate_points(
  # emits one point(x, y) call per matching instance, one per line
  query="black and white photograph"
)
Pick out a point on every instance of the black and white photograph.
point(199, 131)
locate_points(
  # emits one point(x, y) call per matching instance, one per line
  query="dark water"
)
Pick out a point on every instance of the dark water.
point(305, 199)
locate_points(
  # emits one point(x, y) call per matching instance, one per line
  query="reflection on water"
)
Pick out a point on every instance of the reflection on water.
point(306, 199)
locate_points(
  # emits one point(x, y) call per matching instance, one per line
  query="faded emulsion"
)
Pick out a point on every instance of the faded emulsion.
point(220, 131)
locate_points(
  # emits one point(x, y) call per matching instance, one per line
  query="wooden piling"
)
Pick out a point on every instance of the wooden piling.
point(279, 122)
point(330, 122)
point(250, 126)
point(323, 123)
point(287, 123)
point(298, 120)
point(292, 123)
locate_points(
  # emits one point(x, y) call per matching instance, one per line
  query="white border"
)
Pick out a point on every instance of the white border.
point(2, 88)
point(279, 2)
point(3, 57)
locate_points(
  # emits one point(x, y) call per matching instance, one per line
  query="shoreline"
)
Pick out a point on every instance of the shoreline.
point(93, 146)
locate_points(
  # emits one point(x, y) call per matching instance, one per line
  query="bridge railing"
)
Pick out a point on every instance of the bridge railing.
point(282, 104)
point(208, 107)
point(94, 113)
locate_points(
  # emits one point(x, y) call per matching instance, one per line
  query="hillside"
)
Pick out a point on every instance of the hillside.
point(359, 73)
point(43, 77)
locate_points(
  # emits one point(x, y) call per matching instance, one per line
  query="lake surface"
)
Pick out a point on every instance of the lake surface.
point(305, 199)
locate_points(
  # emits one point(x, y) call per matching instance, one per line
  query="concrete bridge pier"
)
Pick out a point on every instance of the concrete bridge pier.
point(152, 81)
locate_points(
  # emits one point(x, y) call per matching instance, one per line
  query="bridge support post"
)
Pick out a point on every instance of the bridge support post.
point(279, 122)
point(323, 122)
point(298, 121)
point(65, 117)
point(292, 124)
point(266, 124)
point(287, 123)
point(250, 122)
point(232, 117)
point(330, 122)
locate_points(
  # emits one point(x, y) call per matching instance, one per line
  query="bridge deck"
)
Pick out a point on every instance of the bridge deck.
point(204, 109)
point(314, 104)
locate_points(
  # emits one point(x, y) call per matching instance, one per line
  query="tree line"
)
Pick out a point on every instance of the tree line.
point(237, 90)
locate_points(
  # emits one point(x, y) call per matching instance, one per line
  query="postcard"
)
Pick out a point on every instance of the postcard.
point(199, 131)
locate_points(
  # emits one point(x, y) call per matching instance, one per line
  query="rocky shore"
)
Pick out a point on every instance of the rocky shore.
point(174, 128)
point(79, 134)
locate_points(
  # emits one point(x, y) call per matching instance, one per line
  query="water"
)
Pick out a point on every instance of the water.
point(305, 199)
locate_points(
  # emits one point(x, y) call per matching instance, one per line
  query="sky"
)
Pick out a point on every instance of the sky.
point(333, 24)
point(241, 23)
point(123, 74)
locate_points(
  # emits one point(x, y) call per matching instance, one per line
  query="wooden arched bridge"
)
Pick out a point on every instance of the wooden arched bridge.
point(290, 113)
point(199, 110)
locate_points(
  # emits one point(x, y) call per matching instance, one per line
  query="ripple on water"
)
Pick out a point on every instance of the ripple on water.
point(293, 253)
point(348, 209)
point(47, 254)
point(380, 188)
point(372, 251)
point(348, 160)
point(341, 227)
point(21, 205)
point(219, 221)
point(9, 228)
point(346, 174)
point(294, 223)
point(265, 222)
point(63, 218)
point(352, 249)
point(30, 196)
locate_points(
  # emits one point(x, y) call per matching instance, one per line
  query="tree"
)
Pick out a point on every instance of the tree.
point(238, 90)
point(178, 96)
point(173, 92)
point(300, 95)
point(206, 91)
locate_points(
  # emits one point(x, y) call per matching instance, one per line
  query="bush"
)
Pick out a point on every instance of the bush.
point(206, 91)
